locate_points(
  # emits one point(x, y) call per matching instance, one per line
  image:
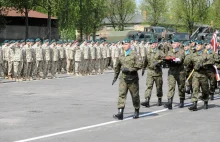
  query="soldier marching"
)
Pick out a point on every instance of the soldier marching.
point(191, 66)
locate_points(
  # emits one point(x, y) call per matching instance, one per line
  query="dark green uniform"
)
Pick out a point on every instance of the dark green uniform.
point(200, 79)
point(212, 58)
point(176, 73)
point(154, 73)
point(129, 79)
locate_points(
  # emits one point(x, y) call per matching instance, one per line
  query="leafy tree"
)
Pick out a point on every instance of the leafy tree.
point(155, 10)
point(120, 12)
point(190, 12)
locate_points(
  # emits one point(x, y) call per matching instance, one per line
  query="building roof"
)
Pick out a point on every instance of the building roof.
point(32, 14)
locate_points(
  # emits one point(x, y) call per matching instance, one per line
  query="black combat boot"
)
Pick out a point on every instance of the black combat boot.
point(181, 105)
point(187, 90)
point(146, 103)
point(206, 105)
point(211, 96)
point(119, 116)
point(194, 106)
point(169, 104)
point(159, 103)
point(136, 114)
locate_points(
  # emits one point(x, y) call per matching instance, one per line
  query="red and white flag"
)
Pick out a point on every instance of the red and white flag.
point(214, 41)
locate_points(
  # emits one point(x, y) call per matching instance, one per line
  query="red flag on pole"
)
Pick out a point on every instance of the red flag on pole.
point(214, 42)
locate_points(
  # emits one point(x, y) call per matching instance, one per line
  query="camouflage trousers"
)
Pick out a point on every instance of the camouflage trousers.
point(114, 61)
point(9, 67)
point(1, 69)
point(103, 64)
point(198, 82)
point(92, 66)
point(150, 82)
point(178, 78)
point(38, 67)
point(61, 65)
point(16, 67)
point(54, 68)
point(212, 82)
point(70, 66)
point(134, 91)
point(77, 67)
point(27, 69)
point(47, 67)
point(98, 65)
point(5, 66)
point(85, 66)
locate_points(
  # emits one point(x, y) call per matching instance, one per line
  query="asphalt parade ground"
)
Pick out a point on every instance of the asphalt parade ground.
point(80, 109)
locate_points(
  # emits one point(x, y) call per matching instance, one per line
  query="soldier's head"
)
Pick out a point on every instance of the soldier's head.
point(209, 46)
point(186, 45)
point(199, 45)
point(6, 42)
point(38, 41)
point(126, 43)
point(17, 42)
point(153, 43)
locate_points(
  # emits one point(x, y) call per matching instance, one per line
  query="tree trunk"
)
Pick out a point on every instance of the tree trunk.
point(26, 24)
point(94, 36)
point(49, 23)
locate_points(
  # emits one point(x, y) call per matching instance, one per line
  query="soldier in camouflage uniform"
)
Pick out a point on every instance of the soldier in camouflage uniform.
point(47, 58)
point(70, 54)
point(54, 58)
point(93, 58)
point(78, 59)
point(17, 56)
point(62, 57)
point(129, 64)
point(176, 74)
point(38, 50)
point(153, 61)
point(86, 57)
point(200, 79)
point(99, 57)
point(212, 58)
point(28, 60)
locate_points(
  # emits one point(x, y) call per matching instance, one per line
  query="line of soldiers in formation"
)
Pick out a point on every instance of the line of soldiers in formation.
point(192, 65)
point(35, 59)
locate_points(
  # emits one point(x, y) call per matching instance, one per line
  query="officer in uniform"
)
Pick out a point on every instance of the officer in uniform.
point(200, 79)
point(129, 64)
point(153, 61)
point(176, 74)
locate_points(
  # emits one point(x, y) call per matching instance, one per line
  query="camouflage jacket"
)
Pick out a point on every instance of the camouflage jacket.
point(198, 61)
point(189, 67)
point(131, 62)
point(176, 68)
point(212, 58)
point(153, 62)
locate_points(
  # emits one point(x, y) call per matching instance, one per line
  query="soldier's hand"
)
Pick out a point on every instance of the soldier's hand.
point(143, 71)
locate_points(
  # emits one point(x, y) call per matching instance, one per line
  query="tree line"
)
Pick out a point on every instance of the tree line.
point(87, 15)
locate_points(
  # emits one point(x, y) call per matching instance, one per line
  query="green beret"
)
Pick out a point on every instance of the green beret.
point(6, 41)
point(199, 42)
point(37, 40)
point(46, 40)
point(126, 41)
point(153, 41)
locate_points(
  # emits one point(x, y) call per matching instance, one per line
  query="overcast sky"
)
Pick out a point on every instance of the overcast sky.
point(138, 2)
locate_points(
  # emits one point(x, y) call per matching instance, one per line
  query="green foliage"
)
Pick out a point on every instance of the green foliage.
point(120, 12)
point(155, 10)
point(190, 12)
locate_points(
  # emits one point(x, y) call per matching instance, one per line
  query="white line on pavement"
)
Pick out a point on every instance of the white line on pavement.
point(99, 125)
